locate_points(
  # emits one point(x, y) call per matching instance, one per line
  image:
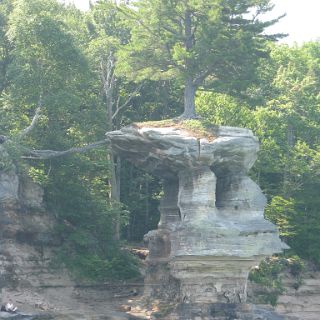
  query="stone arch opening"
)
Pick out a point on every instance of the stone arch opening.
point(170, 213)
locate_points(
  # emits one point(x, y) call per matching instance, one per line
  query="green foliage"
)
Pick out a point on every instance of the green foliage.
point(121, 265)
point(268, 271)
point(78, 195)
point(281, 212)
point(48, 66)
point(222, 109)
point(287, 124)
point(51, 56)
point(296, 265)
point(140, 192)
point(38, 175)
point(5, 160)
point(200, 43)
point(159, 47)
point(268, 275)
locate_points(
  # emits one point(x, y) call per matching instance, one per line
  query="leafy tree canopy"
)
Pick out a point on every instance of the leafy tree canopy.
point(215, 44)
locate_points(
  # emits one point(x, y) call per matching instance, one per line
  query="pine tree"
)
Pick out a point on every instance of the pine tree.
point(206, 43)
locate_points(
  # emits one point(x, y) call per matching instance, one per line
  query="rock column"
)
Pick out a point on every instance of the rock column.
point(212, 229)
point(159, 283)
point(197, 194)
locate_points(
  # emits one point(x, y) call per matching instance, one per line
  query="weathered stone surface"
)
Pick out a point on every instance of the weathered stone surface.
point(30, 194)
point(300, 299)
point(166, 151)
point(26, 236)
point(212, 229)
point(9, 182)
point(27, 244)
point(222, 311)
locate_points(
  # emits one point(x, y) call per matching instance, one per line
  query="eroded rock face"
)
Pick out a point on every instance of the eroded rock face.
point(212, 229)
point(167, 151)
point(26, 236)
point(9, 182)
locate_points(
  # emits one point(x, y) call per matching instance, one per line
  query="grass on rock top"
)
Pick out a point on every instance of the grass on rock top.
point(198, 128)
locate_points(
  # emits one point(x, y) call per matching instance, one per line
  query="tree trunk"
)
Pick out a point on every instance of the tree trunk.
point(288, 188)
point(189, 100)
point(190, 88)
point(108, 81)
point(146, 220)
point(115, 190)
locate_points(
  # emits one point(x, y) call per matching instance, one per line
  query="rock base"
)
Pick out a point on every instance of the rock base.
point(212, 229)
point(220, 311)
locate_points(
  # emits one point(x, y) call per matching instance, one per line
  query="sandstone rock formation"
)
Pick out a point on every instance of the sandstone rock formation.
point(26, 236)
point(302, 302)
point(212, 229)
point(27, 278)
point(300, 298)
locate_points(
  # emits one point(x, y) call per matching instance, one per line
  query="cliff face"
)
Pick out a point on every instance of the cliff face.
point(27, 243)
point(212, 229)
point(211, 232)
point(26, 230)
point(300, 298)
point(302, 302)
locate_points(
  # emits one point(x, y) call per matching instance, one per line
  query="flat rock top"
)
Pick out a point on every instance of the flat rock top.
point(169, 149)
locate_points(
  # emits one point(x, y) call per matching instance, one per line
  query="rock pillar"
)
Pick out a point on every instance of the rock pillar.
point(212, 229)
point(197, 194)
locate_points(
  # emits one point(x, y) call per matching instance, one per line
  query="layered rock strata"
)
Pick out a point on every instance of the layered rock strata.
point(25, 230)
point(300, 298)
point(212, 229)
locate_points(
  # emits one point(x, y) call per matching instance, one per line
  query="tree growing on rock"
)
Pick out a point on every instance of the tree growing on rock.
point(213, 44)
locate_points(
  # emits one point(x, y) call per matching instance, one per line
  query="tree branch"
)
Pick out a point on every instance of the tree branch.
point(49, 154)
point(202, 76)
point(169, 29)
point(34, 121)
point(135, 16)
point(131, 96)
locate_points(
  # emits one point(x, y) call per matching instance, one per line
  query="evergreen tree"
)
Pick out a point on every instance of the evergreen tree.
point(202, 43)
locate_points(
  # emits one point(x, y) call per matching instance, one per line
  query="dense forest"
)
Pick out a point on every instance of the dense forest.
point(81, 74)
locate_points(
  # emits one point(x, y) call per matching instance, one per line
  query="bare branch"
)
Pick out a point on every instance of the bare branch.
point(49, 154)
point(108, 81)
point(34, 121)
point(131, 96)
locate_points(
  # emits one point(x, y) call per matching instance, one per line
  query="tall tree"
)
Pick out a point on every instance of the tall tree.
point(107, 31)
point(5, 45)
point(49, 68)
point(287, 124)
point(200, 42)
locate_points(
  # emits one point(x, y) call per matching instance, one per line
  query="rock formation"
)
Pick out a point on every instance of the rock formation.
point(212, 229)
point(27, 245)
point(26, 240)
point(300, 298)
point(25, 229)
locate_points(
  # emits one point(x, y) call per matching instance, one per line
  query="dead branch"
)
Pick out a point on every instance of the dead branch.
point(34, 121)
point(49, 154)
point(124, 105)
